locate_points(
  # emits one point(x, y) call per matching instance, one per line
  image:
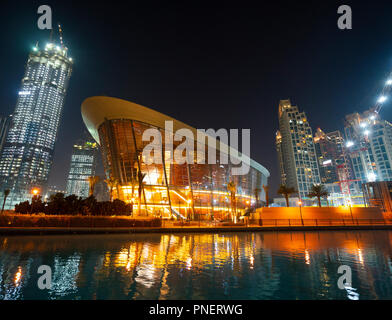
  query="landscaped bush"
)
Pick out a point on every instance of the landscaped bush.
point(75, 221)
point(58, 204)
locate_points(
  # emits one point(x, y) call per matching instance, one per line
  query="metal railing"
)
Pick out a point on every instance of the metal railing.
point(275, 223)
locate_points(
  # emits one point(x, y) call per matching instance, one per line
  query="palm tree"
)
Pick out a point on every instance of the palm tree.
point(232, 188)
point(318, 191)
point(286, 192)
point(92, 180)
point(266, 188)
point(6, 194)
point(140, 178)
point(111, 183)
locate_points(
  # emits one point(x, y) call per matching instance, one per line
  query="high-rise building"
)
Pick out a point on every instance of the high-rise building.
point(335, 169)
point(27, 155)
point(331, 155)
point(83, 165)
point(296, 151)
point(4, 127)
point(369, 142)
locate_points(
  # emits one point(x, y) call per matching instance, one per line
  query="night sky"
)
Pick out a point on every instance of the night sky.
point(211, 66)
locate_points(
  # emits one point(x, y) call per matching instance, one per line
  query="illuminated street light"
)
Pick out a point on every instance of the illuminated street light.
point(371, 177)
point(35, 191)
point(349, 144)
point(366, 132)
point(300, 211)
point(363, 124)
point(382, 99)
point(389, 82)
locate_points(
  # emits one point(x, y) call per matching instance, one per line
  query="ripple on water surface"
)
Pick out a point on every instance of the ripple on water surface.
point(270, 265)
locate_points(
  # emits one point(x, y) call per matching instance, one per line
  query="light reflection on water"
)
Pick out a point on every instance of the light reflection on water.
point(271, 265)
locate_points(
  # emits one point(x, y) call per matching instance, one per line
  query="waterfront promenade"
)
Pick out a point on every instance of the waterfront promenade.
point(213, 227)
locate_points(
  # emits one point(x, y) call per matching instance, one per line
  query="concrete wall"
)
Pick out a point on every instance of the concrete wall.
point(318, 213)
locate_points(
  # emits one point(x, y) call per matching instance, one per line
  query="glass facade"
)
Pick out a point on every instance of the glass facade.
point(296, 151)
point(27, 154)
point(83, 165)
point(170, 189)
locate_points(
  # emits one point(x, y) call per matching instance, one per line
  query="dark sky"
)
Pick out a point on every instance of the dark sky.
point(217, 65)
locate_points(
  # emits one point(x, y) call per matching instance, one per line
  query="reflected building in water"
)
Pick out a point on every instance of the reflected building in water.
point(286, 265)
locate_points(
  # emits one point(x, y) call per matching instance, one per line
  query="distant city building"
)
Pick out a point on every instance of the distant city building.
point(281, 202)
point(51, 190)
point(329, 155)
point(296, 151)
point(27, 155)
point(369, 141)
point(101, 191)
point(83, 165)
point(4, 127)
point(336, 170)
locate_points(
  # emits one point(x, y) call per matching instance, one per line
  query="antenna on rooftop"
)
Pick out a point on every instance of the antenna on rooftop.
point(61, 35)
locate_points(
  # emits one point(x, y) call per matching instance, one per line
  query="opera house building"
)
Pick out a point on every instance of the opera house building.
point(166, 189)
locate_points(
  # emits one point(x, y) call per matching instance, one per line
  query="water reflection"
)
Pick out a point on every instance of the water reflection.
point(280, 265)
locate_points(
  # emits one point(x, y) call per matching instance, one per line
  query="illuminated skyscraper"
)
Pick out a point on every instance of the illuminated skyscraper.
point(27, 155)
point(4, 127)
point(83, 165)
point(369, 143)
point(296, 152)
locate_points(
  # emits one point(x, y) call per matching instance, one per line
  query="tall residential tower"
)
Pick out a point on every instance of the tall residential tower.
point(296, 151)
point(27, 155)
point(83, 165)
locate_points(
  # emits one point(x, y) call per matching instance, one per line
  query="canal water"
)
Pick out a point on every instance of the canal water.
point(260, 265)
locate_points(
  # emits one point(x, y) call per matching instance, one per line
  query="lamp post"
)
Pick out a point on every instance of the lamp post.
point(34, 192)
point(300, 211)
point(351, 212)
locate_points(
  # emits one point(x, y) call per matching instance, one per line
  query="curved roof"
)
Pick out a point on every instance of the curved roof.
point(96, 109)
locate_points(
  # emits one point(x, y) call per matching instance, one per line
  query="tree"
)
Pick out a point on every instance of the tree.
point(23, 207)
point(73, 204)
point(93, 180)
point(266, 189)
point(90, 206)
point(286, 192)
point(111, 183)
point(56, 204)
point(6, 194)
point(232, 188)
point(37, 205)
point(318, 191)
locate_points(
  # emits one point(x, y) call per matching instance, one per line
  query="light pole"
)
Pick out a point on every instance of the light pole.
point(35, 192)
point(351, 212)
point(300, 211)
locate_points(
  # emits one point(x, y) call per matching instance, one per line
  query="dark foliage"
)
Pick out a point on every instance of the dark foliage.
point(58, 204)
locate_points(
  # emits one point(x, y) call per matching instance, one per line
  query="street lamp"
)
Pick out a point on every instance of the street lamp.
point(300, 211)
point(351, 212)
point(34, 192)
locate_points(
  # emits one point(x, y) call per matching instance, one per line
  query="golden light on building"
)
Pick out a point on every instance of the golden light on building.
point(170, 189)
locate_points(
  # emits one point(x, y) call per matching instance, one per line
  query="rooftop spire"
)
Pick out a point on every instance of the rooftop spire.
point(61, 35)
